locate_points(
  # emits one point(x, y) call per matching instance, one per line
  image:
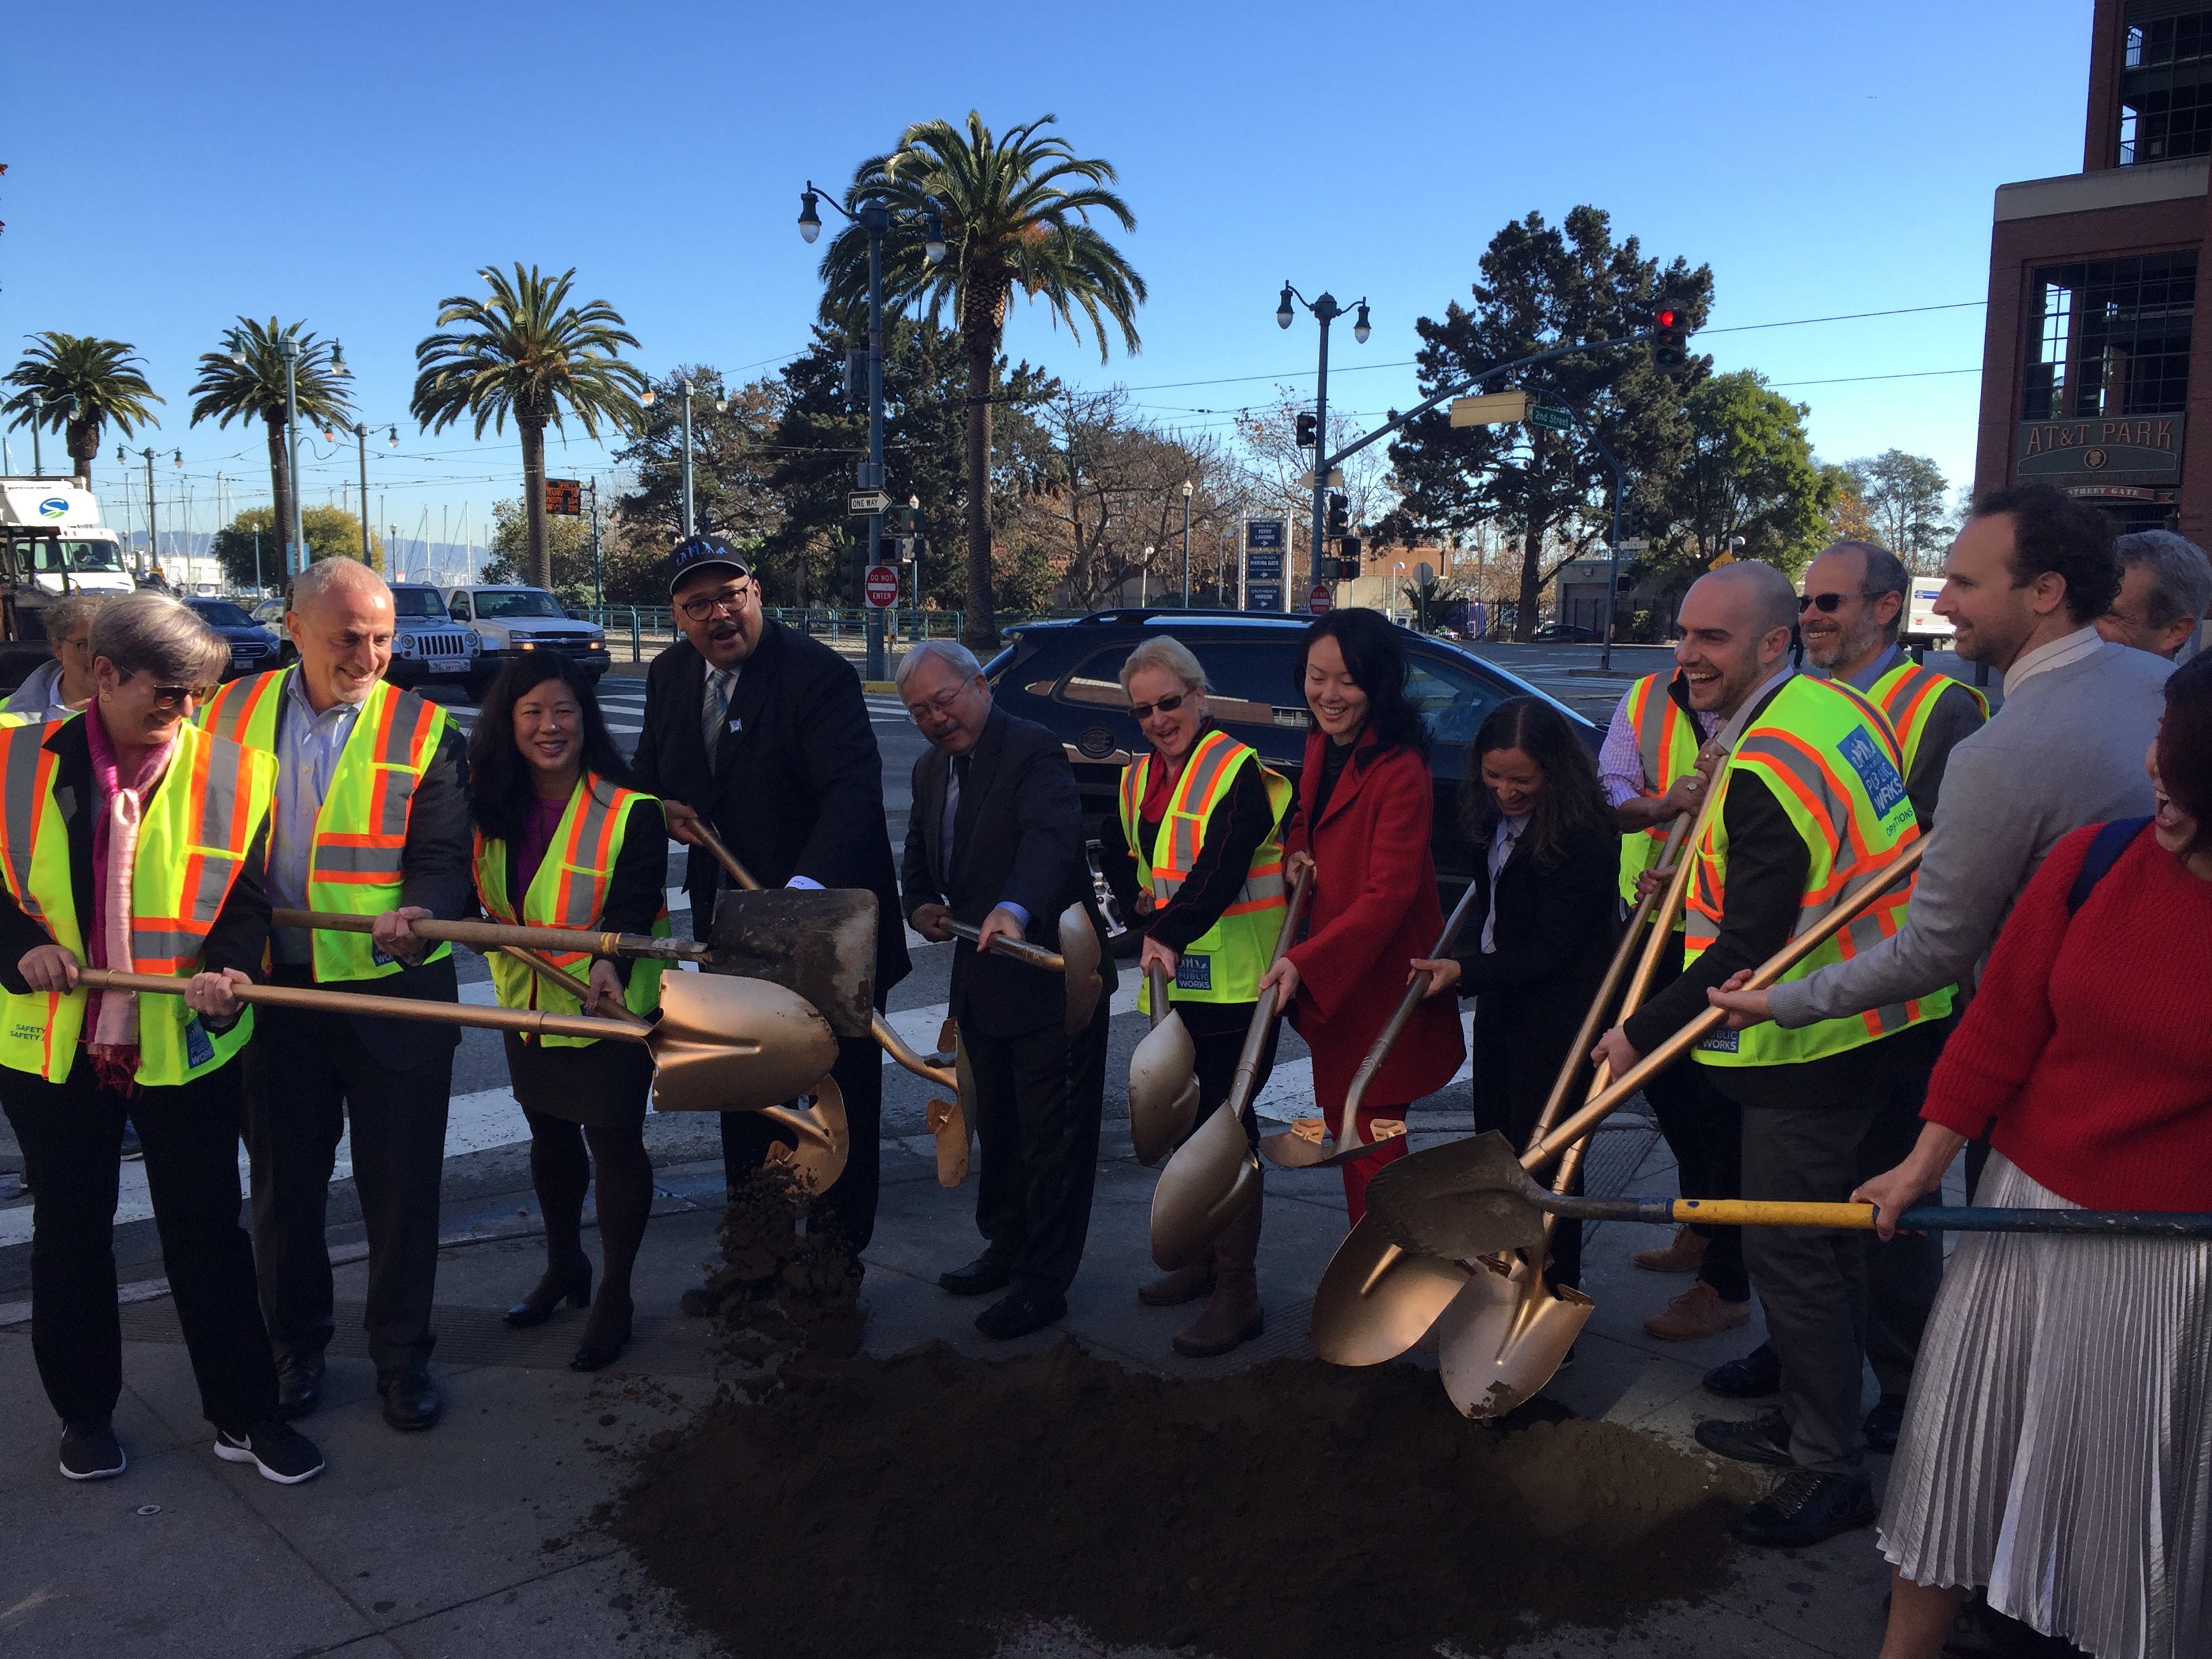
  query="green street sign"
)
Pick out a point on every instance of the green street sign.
point(1551, 419)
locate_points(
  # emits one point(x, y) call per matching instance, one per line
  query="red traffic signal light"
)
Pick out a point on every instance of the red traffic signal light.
point(1670, 342)
point(1666, 317)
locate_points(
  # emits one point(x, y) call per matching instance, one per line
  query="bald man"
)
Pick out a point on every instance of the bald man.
point(1812, 798)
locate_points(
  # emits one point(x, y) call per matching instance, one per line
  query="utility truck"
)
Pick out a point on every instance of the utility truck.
point(51, 543)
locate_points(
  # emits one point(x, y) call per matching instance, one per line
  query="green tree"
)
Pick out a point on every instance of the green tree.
point(527, 352)
point(1541, 288)
point(1751, 473)
point(732, 458)
point(83, 383)
point(245, 379)
point(1016, 210)
point(568, 543)
point(1905, 498)
point(251, 545)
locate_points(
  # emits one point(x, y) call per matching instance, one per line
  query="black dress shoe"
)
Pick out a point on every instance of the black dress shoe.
point(411, 1399)
point(1019, 1315)
point(979, 1278)
point(574, 1285)
point(1804, 1508)
point(299, 1385)
point(1884, 1421)
point(1764, 1439)
point(603, 1344)
point(1759, 1373)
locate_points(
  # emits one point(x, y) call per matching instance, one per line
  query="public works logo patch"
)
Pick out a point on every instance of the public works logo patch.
point(1865, 757)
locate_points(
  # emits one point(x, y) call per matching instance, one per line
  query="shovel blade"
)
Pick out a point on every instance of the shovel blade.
point(820, 942)
point(1462, 1200)
point(734, 1045)
point(1080, 951)
point(1163, 1088)
point(1205, 1187)
point(949, 1124)
point(1375, 1300)
point(1306, 1145)
point(818, 1156)
point(1501, 1340)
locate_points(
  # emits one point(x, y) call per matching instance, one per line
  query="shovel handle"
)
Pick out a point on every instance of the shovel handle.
point(1933, 1217)
point(1347, 1134)
point(1020, 949)
point(901, 1051)
point(493, 936)
point(1263, 1012)
point(1159, 980)
point(531, 1022)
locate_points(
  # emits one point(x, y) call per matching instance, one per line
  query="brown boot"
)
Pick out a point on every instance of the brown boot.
point(1233, 1317)
point(1684, 1255)
point(1698, 1311)
point(1184, 1285)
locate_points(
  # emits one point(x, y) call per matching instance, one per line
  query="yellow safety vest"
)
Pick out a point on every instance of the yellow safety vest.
point(360, 831)
point(1829, 758)
point(569, 890)
point(1224, 963)
point(191, 841)
point(1667, 741)
point(1907, 695)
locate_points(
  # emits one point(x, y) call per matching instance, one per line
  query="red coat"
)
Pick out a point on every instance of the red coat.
point(1374, 909)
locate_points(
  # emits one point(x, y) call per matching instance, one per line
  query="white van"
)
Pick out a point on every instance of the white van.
point(1921, 625)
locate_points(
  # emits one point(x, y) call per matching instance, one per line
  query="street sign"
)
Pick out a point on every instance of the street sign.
point(1426, 575)
point(1335, 478)
point(1263, 596)
point(1490, 410)
point(1551, 419)
point(1318, 601)
point(865, 501)
point(564, 496)
point(882, 585)
point(1263, 532)
point(1633, 544)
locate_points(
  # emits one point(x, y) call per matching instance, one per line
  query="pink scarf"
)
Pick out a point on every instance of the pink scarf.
point(117, 806)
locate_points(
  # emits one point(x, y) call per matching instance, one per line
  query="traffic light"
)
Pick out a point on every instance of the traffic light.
point(1307, 427)
point(1347, 561)
point(1339, 515)
point(1671, 347)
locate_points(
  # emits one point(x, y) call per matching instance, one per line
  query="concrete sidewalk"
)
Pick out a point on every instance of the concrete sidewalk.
point(476, 1539)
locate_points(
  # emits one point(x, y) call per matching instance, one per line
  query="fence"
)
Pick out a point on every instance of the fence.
point(650, 630)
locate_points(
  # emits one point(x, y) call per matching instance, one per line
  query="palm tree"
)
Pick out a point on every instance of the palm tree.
point(1016, 215)
point(246, 378)
point(526, 351)
point(83, 383)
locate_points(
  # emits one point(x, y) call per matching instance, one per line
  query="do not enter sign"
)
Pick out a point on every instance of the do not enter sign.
point(882, 586)
point(1318, 601)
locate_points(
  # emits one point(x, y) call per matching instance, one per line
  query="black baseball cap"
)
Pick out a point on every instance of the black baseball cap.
point(704, 553)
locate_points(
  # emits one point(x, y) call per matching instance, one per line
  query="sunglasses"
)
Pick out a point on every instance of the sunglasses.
point(1141, 712)
point(1826, 604)
point(176, 696)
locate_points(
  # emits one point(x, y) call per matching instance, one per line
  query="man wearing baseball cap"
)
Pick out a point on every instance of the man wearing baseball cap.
point(762, 734)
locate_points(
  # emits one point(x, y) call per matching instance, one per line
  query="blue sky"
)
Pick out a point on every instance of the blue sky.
point(1823, 160)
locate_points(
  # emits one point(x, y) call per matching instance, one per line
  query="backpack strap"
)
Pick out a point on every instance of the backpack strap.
point(2105, 849)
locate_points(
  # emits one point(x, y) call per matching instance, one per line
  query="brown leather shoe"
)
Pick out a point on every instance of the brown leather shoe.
point(1682, 1256)
point(1184, 1285)
point(1698, 1311)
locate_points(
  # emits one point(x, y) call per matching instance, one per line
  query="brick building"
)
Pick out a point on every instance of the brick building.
point(2094, 301)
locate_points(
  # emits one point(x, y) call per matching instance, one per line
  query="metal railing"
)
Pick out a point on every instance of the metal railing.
point(649, 630)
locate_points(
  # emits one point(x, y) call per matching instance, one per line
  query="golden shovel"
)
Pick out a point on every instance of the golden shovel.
point(1215, 1173)
point(1163, 1086)
point(1077, 960)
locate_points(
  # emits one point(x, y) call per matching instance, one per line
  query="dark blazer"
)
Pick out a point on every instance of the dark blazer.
point(1018, 836)
point(1557, 927)
point(800, 789)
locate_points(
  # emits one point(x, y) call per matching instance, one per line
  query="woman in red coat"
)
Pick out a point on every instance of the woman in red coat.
point(1362, 822)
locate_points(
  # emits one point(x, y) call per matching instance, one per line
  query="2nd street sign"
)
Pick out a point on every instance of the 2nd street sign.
point(865, 501)
point(1551, 419)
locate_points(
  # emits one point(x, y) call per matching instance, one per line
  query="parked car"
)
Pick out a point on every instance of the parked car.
point(511, 620)
point(1064, 675)
point(253, 648)
point(1564, 633)
point(269, 613)
point(427, 644)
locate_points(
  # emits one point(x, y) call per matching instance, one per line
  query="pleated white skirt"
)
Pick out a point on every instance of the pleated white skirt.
point(2058, 1444)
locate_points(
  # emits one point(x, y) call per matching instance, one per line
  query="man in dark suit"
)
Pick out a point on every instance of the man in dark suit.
point(763, 733)
point(996, 840)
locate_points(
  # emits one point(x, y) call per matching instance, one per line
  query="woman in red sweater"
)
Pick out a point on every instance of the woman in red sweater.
point(1362, 821)
point(2058, 1447)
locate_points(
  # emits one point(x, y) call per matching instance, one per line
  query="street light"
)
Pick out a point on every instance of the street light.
point(360, 441)
point(288, 348)
point(38, 409)
point(687, 460)
point(1326, 311)
point(1186, 543)
point(875, 218)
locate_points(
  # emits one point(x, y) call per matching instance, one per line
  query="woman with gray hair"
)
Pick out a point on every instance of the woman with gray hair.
point(58, 689)
point(137, 843)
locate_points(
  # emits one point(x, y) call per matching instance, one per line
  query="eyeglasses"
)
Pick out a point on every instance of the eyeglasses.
point(706, 604)
point(176, 696)
point(1141, 712)
point(1826, 604)
point(940, 704)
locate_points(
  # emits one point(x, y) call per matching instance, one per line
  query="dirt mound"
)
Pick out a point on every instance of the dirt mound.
point(908, 1506)
point(782, 1289)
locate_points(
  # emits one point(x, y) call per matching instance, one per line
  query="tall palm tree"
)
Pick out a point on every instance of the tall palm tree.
point(246, 378)
point(1016, 214)
point(83, 384)
point(524, 352)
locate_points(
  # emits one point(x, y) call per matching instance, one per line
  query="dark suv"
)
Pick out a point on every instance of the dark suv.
point(1065, 675)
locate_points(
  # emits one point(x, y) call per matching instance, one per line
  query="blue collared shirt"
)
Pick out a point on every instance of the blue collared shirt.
point(309, 745)
point(1868, 678)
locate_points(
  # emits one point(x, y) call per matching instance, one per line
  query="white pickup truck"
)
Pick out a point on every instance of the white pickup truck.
point(51, 543)
point(1921, 625)
point(513, 621)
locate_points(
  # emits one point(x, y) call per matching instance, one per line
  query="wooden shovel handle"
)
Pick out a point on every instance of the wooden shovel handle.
point(1263, 1012)
point(493, 936)
point(1347, 1133)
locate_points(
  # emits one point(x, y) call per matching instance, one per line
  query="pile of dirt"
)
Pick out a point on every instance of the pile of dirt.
point(916, 1505)
point(783, 1289)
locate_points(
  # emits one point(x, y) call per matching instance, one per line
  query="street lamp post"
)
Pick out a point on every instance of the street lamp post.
point(598, 587)
point(38, 465)
point(288, 348)
point(874, 218)
point(688, 519)
point(360, 441)
point(1325, 311)
point(1186, 543)
point(123, 455)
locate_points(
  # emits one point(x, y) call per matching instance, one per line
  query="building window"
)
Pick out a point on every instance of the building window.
point(2111, 338)
point(2166, 84)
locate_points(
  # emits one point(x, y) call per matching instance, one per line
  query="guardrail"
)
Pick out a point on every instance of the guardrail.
point(650, 630)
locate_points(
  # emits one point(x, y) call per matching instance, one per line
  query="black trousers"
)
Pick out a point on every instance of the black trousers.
point(71, 1133)
point(1219, 1042)
point(1513, 1062)
point(1039, 1097)
point(849, 1205)
point(1705, 1130)
point(307, 1074)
